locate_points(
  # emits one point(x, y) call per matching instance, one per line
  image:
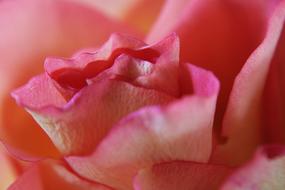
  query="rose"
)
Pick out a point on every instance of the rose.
point(85, 105)
point(259, 61)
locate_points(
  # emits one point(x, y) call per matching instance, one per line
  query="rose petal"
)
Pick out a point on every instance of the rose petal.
point(165, 74)
point(243, 120)
point(136, 13)
point(31, 30)
point(116, 42)
point(112, 8)
point(171, 10)
point(182, 176)
point(264, 171)
point(165, 55)
point(273, 103)
point(78, 126)
point(142, 16)
point(181, 130)
point(50, 175)
point(39, 98)
point(215, 35)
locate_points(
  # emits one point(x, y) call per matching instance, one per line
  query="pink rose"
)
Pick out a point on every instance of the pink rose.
point(128, 101)
point(130, 115)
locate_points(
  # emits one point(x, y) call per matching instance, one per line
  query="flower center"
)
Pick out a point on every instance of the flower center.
point(75, 79)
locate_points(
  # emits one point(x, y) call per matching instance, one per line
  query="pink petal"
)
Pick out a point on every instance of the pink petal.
point(40, 85)
point(108, 52)
point(216, 35)
point(112, 8)
point(73, 73)
point(50, 175)
point(264, 171)
point(165, 74)
point(78, 126)
point(181, 130)
point(274, 92)
point(136, 13)
point(171, 10)
point(243, 119)
point(142, 16)
point(182, 176)
point(30, 31)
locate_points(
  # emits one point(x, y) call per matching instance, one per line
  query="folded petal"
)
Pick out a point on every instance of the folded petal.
point(78, 100)
point(181, 130)
point(51, 175)
point(264, 171)
point(182, 176)
point(39, 98)
point(30, 31)
point(244, 119)
point(78, 126)
point(164, 56)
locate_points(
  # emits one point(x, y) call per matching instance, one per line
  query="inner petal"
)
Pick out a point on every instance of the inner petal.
point(72, 77)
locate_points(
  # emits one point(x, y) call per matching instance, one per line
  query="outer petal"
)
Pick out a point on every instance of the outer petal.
point(167, 18)
point(179, 131)
point(31, 30)
point(135, 13)
point(217, 35)
point(49, 175)
point(274, 92)
point(182, 176)
point(142, 15)
point(264, 171)
point(243, 120)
